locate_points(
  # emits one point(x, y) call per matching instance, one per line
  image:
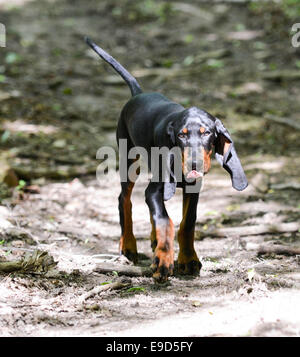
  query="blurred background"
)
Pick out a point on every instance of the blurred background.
point(59, 102)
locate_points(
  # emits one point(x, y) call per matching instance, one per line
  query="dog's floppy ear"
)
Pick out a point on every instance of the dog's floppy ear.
point(227, 157)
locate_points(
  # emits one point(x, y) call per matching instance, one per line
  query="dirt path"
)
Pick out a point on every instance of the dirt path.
point(237, 293)
point(54, 88)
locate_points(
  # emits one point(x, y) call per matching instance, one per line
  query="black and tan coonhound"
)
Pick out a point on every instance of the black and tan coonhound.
point(151, 120)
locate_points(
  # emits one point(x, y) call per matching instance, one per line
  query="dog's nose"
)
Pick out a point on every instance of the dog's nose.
point(194, 166)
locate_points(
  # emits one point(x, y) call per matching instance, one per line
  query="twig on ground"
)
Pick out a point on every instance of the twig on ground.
point(272, 249)
point(250, 230)
point(127, 270)
point(101, 288)
point(8, 267)
point(281, 75)
point(286, 186)
point(284, 121)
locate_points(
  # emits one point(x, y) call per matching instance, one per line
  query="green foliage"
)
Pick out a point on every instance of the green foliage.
point(106, 282)
point(289, 8)
point(188, 60)
point(211, 213)
point(21, 185)
point(144, 10)
point(5, 136)
point(135, 289)
point(67, 91)
point(240, 27)
point(258, 45)
point(215, 63)
point(188, 38)
point(168, 63)
point(250, 274)
point(185, 102)
point(212, 259)
point(12, 57)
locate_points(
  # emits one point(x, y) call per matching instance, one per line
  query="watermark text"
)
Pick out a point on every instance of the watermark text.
point(296, 36)
point(2, 35)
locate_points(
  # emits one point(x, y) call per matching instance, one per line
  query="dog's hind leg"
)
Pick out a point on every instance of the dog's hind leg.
point(127, 242)
point(127, 245)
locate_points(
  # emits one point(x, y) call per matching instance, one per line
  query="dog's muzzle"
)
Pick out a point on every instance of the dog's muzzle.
point(193, 163)
point(194, 174)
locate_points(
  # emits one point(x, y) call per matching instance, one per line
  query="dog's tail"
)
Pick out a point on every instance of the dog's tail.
point(128, 78)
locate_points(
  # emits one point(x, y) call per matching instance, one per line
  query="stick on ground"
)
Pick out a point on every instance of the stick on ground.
point(127, 270)
point(250, 230)
point(273, 249)
point(101, 288)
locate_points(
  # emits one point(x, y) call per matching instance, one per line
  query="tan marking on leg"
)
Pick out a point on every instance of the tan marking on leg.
point(164, 251)
point(187, 254)
point(185, 240)
point(128, 241)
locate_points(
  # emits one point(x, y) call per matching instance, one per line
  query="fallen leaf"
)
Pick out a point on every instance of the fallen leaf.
point(250, 274)
point(196, 303)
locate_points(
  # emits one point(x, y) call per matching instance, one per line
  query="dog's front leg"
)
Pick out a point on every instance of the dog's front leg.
point(188, 262)
point(162, 233)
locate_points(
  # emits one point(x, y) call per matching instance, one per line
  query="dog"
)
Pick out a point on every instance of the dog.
point(151, 120)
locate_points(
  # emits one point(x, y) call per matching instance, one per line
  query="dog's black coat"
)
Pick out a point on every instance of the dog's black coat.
point(151, 120)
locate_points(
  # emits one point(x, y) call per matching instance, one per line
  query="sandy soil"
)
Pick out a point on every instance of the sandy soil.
point(237, 294)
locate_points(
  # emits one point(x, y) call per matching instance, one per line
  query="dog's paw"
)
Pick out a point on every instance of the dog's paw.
point(192, 267)
point(162, 266)
point(130, 255)
point(127, 247)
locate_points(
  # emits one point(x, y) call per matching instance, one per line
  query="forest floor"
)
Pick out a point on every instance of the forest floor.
point(59, 104)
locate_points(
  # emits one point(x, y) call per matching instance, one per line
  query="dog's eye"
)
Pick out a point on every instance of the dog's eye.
point(207, 133)
point(181, 135)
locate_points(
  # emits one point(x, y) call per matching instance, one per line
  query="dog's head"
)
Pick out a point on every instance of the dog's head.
point(197, 133)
